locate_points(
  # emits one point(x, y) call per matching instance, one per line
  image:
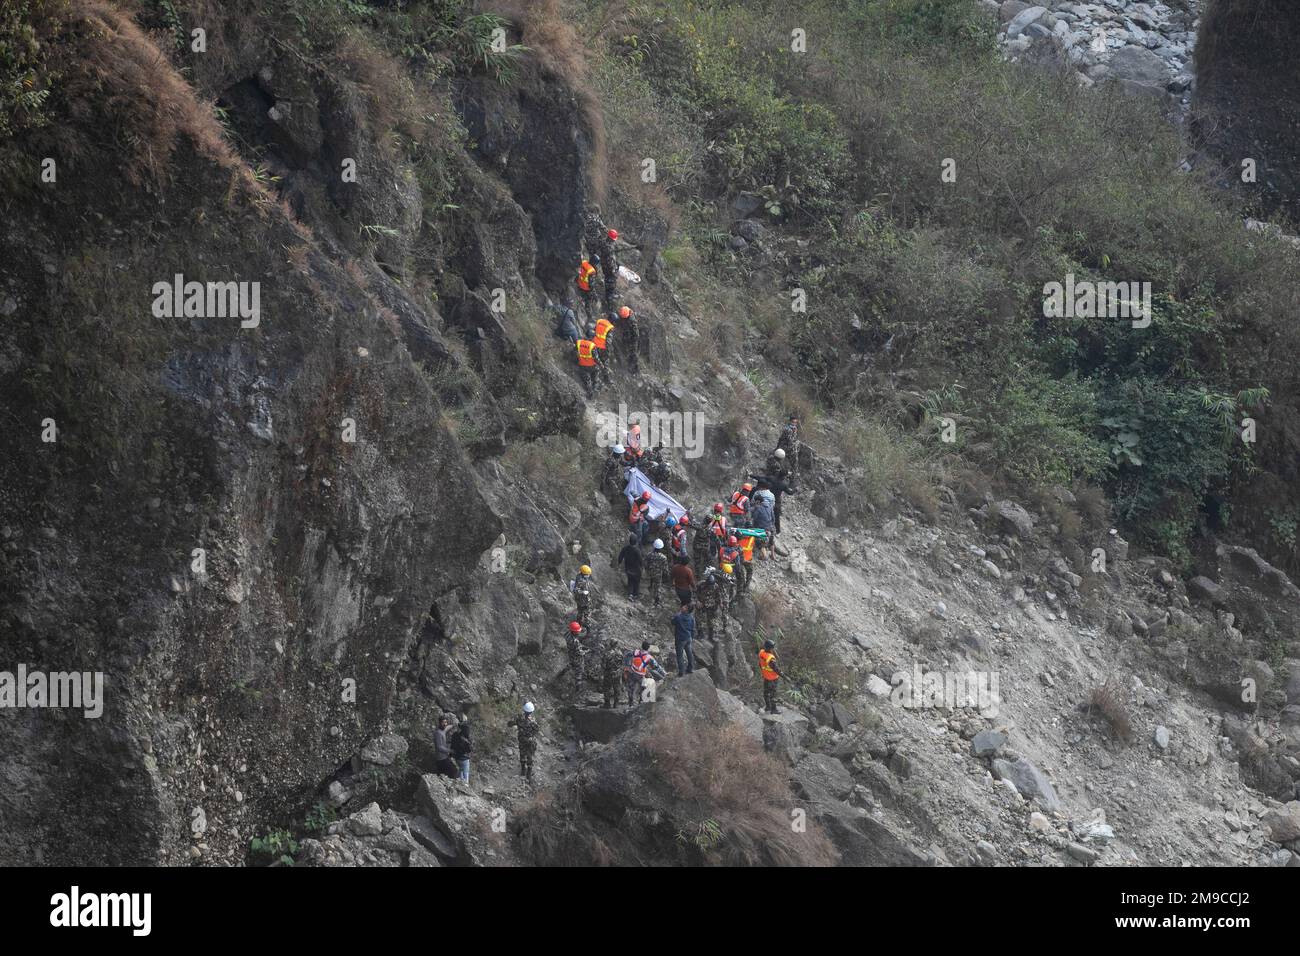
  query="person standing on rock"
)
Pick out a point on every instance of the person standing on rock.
point(442, 749)
point(461, 748)
point(788, 442)
point(589, 366)
point(771, 672)
point(778, 484)
point(609, 267)
point(656, 569)
point(586, 294)
point(581, 588)
point(611, 672)
point(684, 582)
point(638, 517)
point(612, 479)
point(630, 558)
point(601, 336)
point(709, 598)
point(630, 334)
point(528, 731)
point(683, 639)
point(577, 656)
point(762, 515)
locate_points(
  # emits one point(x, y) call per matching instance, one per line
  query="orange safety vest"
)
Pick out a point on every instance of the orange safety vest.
point(586, 353)
point(639, 508)
point(585, 273)
point(640, 663)
point(718, 526)
point(747, 548)
point(765, 659)
point(739, 504)
point(602, 329)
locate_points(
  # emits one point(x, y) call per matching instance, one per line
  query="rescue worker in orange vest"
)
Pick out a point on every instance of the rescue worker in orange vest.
point(739, 507)
point(771, 672)
point(601, 337)
point(717, 530)
point(638, 518)
point(746, 562)
point(678, 544)
point(603, 373)
point(631, 336)
point(586, 272)
point(589, 365)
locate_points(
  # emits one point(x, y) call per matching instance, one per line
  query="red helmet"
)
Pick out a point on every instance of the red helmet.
point(718, 507)
point(624, 313)
point(645, 496)
point(683, 522)
point(730, 540)
point(575, 627)
point(613, 234)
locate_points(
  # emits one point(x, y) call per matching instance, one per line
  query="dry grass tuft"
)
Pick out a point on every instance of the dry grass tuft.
point(1108, 700)
point(736, 791)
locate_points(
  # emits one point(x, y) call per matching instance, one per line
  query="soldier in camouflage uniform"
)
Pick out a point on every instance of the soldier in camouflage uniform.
point(611, 673)
point(528, 731)
point(594, 230)
point(577, 656)
point(789, 443)
point(581, 588)
point(710, 598)
point(656, 568)
point(612, 479)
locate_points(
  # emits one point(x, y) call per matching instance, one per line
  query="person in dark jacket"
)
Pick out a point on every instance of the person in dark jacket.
point(630, 558)
point(684, 638)
point(461, 748)
point(567, 323)
point(442, 750)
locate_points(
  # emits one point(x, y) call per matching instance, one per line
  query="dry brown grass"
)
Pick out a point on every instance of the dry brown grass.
point(548, 31)
point(120, 89)
point(1092, 506)
point(1108, 700)
point(724, 776)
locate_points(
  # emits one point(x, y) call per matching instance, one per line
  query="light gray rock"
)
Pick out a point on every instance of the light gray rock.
point(1161, 737)
point(366, 822)
point(987, 743)
point(1029, 781)
point(1283, 822)
point(383, 751)
point(1023, 19)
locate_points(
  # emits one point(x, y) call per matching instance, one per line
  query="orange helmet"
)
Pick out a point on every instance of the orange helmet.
point(613, 234)
point(645, 496)
point(575, 627)
point(747, 487)
point(625, 313)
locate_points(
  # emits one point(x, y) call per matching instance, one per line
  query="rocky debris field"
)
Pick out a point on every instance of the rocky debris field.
point(1131, 717)
point(1145, 47)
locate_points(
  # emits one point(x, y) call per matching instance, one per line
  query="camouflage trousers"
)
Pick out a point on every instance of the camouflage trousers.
point(710, 617)
point(769, 695)
point(526, 753)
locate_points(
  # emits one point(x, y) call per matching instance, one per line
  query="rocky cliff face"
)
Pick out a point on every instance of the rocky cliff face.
point(290, 546)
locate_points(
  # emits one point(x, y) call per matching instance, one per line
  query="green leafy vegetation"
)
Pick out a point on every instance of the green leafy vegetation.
point(943, 280)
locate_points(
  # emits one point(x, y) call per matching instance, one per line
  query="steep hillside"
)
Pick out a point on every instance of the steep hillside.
point(293, 531)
